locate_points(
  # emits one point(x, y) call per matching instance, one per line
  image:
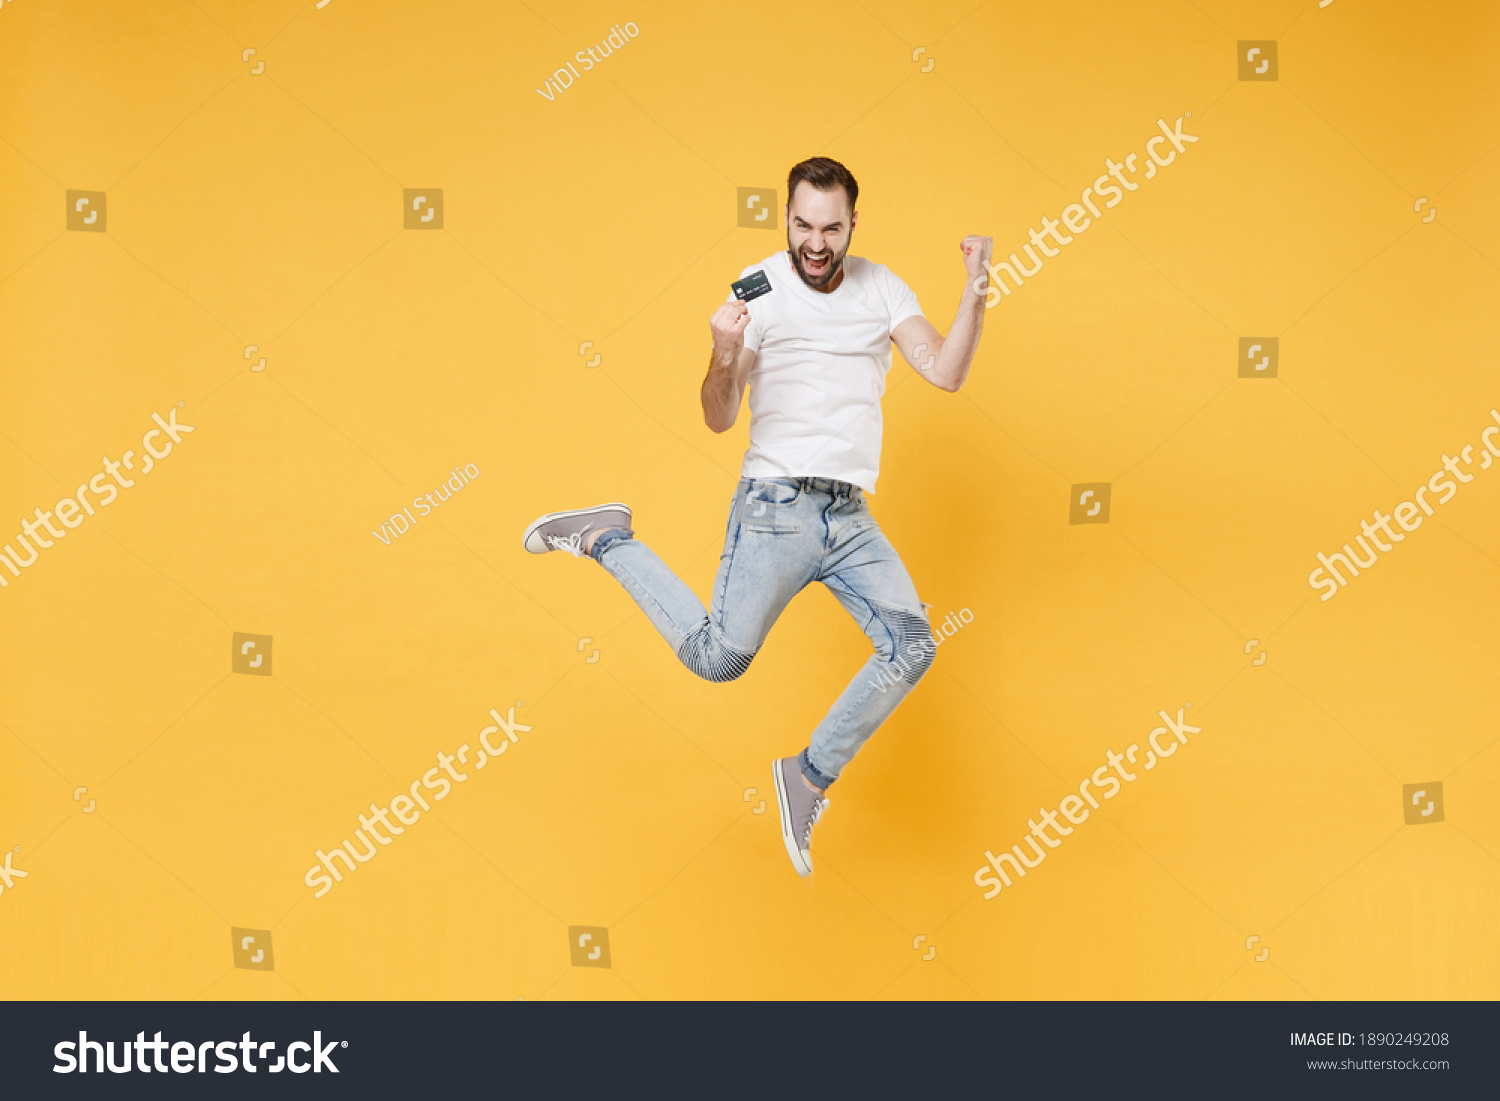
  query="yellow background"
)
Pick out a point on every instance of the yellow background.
point(265, 209)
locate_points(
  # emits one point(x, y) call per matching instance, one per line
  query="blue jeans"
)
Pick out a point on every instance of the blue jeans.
point(782, 534)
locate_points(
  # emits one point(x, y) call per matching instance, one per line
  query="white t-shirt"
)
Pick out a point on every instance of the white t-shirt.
point(819, 375)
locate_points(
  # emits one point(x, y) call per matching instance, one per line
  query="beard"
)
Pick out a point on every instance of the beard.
point(821, 279)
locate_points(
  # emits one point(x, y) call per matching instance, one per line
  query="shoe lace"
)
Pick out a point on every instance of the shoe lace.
point(573, 544)
point(819, 806)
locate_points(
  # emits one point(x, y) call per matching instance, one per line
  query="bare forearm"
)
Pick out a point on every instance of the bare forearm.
point(720, 393)
point(962, 341)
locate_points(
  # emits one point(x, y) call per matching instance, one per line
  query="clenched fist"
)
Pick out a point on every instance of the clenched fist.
point(976, 251)
point(728, 325)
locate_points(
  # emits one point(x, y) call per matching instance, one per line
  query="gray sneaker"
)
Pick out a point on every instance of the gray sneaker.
point(565, 531)
point(800, 809)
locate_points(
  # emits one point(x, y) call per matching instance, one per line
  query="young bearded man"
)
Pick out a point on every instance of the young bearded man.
point(814, 350)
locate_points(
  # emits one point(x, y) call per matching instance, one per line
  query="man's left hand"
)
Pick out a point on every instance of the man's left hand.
point(976, 251)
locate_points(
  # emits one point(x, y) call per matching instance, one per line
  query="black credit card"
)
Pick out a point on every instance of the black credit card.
point(751, 287)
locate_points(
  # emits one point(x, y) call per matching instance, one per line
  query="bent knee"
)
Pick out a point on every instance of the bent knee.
point(716, 664)
point(915, 648)
point(914, 664)
point(923, 661)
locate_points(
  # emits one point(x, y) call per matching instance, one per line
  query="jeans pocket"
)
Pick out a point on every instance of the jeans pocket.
point(768, 507)
point(773, 491)
point(772, 520)
point(856, 517)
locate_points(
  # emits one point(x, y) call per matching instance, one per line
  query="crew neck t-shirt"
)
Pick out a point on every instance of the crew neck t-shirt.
point(819, 374)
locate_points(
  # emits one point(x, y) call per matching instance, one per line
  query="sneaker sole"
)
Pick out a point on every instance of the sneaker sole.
point(526, 538)
point(804, 869)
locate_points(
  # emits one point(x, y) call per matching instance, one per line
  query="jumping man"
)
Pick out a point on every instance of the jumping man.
point(814, 351)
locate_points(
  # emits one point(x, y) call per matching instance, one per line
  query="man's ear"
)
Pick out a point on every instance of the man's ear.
point(853, 221)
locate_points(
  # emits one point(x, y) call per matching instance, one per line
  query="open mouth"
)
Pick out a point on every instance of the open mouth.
point(816, 263)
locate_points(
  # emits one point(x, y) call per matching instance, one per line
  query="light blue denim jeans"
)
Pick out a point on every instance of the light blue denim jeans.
point(782, 534)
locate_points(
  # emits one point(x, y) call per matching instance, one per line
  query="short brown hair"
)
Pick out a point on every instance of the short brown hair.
point(825, 175)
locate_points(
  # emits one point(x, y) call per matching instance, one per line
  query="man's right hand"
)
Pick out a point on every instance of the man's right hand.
point(728, 325)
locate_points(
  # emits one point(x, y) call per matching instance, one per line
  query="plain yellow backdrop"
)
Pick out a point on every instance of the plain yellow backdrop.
point(263, 208)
